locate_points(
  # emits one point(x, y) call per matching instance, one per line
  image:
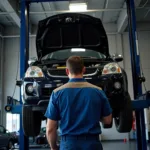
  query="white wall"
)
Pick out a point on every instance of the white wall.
point(1, 74)
point(12, 64)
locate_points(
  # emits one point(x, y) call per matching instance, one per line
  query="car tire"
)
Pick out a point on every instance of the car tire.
point(123, 119)
point(31, 121)
point(10, 145)
point(107, 126)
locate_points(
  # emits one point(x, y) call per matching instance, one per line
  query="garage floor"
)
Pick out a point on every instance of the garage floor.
point(110, 146)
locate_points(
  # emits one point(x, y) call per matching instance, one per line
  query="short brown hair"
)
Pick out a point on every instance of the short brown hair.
point(75, 64)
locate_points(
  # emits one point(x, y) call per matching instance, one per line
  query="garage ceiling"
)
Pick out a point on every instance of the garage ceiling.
point(10, 11)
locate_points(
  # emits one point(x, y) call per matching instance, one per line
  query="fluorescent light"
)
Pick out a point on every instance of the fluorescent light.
point(78, 7)
point(77, 50)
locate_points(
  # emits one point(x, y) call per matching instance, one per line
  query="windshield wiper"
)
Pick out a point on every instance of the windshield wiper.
point(93, 58)
point(89, 57)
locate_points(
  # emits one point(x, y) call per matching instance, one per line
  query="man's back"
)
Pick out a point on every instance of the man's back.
point(80, 105)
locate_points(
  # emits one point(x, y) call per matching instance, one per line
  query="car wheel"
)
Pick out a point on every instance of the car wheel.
point(38, 141)
point(107, 126)
point(10, 145)
point(123, 118)
point(31, 121)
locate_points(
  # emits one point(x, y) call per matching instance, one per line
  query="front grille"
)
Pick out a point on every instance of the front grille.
point(57, 72)
point(62, 72)
point(46, 91)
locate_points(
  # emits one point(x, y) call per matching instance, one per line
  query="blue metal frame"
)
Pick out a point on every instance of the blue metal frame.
point(140, 120)
point(138, 104)
point(24, 56)
point(23, 142)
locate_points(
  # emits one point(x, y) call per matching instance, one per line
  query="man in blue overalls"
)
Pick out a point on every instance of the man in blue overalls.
point(79, 106)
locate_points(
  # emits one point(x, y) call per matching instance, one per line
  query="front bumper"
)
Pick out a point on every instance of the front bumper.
point(115, 95)
point(44, 87)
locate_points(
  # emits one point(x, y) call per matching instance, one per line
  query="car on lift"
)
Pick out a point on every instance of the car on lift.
point(6, 138)
point(59, 37)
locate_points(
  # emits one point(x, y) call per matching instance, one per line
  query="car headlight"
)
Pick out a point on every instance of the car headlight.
point(117, 85)
point(111, 68)
point(34, 72)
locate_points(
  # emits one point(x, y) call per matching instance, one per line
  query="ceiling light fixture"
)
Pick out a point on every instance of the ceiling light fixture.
point(77, 7)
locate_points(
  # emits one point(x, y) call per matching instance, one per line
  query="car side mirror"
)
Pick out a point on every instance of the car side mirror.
point(32, 60)
point(118, 58)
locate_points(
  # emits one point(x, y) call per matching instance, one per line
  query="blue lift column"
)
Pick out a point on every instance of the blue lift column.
point(136, 75)
point(24, 55)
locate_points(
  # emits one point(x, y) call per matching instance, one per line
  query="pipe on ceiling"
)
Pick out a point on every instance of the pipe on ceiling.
point(145, 4)
point(147, 13)
point(105, 7)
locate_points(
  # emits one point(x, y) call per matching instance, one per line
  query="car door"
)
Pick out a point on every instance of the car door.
point(4, 138)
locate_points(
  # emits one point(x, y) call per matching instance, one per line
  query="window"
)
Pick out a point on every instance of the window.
point(12, 122)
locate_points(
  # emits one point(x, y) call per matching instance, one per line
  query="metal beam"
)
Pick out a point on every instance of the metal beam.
point(122, 21)
point(105, 7)
point(136, 75)
point(68, 11)
point(8, 7)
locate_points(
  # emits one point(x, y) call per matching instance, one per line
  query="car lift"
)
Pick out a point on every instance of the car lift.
point(140, 102)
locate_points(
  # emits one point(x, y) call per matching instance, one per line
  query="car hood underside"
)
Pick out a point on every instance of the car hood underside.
point(70, 30)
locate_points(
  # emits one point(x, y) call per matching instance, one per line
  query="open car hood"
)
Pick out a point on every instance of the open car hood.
point(70, 30)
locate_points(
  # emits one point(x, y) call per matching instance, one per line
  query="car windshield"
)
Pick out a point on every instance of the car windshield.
point(64, 54)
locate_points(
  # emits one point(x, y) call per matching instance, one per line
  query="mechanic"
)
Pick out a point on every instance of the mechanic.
point(79, 106)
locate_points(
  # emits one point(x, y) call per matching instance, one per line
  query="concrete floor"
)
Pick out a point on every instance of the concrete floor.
point(111, 146)
point(121, 146)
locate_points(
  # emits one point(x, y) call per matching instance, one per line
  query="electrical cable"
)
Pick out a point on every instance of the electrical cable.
point(142, 72)
point(16, 74)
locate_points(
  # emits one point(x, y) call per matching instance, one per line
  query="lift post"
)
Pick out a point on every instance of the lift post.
point(24, 56)
point(136, 74)
point(138, 104)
